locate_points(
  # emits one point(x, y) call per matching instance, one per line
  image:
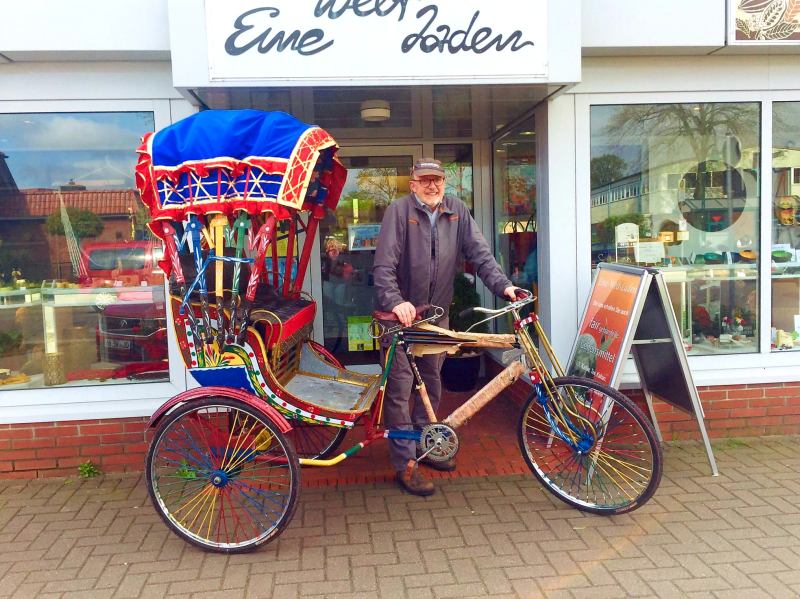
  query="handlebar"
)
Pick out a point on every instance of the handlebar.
point(523, 298)
point(378, 330)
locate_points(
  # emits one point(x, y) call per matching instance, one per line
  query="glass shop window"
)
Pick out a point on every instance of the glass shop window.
point(676, 186)
point(785, 259)
point(81, 294)
point(514, 193)
point(457, 162)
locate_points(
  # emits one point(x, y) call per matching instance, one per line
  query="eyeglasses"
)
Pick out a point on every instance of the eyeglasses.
point(428, 181)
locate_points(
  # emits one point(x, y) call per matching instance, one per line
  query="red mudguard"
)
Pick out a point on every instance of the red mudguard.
point(202, 392)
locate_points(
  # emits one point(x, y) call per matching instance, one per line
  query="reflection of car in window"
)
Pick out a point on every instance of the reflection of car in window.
point(132, 331)
point(122, 263)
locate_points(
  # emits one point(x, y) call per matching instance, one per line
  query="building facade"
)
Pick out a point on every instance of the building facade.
point(663, 134)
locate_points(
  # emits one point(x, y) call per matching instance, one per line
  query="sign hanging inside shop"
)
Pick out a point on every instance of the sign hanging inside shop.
point(339, 40)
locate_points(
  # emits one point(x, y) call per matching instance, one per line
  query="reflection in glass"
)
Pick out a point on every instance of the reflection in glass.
point(676, 186)
point(514, 195)
point(785, 332)
point(457, 162)
point(347, 243)
point(81, 293)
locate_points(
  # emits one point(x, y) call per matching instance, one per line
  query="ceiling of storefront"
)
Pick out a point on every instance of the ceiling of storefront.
point(431, 112)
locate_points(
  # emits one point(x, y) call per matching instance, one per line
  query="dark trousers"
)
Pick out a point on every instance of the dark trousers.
point(402, 405)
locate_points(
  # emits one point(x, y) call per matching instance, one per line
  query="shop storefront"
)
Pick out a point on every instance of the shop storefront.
point(677, 148)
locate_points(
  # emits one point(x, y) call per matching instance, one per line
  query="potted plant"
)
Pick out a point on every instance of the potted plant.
point(460, 371)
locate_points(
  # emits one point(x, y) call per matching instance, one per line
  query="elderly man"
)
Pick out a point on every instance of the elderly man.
point(423, 237)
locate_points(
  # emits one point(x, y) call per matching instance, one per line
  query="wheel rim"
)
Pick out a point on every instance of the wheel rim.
point(314, 440)
point(222, 476)
point(611, 472)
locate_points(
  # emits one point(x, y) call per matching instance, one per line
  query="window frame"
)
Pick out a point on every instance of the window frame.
point(763, 366)
point(92, 402)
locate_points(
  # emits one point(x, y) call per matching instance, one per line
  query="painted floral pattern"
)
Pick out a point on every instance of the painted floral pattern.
point(768, 20)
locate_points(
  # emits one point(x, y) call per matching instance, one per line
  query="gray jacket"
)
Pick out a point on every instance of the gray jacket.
point(404, 265)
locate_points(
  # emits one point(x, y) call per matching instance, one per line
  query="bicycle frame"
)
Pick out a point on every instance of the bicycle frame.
point(560, 416)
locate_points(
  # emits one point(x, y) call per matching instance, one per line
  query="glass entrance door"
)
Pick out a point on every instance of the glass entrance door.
point(348, 236)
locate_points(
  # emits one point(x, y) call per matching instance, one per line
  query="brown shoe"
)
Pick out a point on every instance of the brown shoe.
point(411, 481)
point(445, 466)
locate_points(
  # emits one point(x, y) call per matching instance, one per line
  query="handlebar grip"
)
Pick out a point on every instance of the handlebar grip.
point(391, 316)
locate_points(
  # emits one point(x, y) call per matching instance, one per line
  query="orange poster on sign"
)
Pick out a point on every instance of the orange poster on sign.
point(605, 325)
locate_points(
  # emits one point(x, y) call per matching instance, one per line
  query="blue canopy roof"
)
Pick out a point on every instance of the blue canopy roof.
point(227, 134)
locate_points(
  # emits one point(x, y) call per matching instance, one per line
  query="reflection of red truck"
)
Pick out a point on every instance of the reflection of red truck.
point(121, 263)
point(131, 330)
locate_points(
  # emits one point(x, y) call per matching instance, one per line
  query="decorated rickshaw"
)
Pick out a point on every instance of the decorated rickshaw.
point(237, 198)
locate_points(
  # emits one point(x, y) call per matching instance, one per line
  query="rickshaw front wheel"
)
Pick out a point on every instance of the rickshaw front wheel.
point(222, 476)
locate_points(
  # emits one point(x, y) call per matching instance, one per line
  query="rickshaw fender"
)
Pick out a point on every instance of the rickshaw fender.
point(251, 400)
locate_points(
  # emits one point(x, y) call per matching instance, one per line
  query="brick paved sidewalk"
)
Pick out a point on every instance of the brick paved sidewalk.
point(737, 535)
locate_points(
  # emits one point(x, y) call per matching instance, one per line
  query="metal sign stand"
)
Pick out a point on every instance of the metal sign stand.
point(652, 337)
point(658, 340)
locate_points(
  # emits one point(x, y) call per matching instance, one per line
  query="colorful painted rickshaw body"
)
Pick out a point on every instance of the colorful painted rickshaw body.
point(226, 190)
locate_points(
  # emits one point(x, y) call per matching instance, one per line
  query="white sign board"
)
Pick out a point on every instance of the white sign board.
point(649, 252)
point(626, 233)
point(423, 41)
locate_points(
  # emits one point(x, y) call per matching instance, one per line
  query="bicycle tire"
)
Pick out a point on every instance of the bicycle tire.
point(617, 474)
point(315, 441)
point(226, 467)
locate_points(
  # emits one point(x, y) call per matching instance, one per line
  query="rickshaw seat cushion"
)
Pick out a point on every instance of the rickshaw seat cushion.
point(282, 318)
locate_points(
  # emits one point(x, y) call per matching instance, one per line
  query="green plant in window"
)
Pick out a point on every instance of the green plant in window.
point(88, 470)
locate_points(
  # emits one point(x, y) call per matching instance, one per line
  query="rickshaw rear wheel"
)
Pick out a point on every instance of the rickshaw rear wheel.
point(315, 441)
point(222, 476)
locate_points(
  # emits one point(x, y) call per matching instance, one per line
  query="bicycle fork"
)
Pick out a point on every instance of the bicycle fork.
point(579, 441)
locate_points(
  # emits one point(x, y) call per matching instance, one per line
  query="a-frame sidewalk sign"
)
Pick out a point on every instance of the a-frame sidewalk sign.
point(629, 312)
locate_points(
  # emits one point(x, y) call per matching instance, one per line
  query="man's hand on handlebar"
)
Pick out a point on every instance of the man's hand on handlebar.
point(515, 293)
point(405, 312)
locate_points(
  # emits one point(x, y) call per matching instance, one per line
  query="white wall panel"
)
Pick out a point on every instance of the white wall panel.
point(84, 28)
point(557, 214)
point(86, 81)
point(688, 74)
point(652, 25)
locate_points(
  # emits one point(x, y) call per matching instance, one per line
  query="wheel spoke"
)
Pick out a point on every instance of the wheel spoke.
point(607, 458)
point(222, 476)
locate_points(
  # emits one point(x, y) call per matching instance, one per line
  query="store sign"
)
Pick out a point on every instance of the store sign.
point(764, 22)
point(422, 41)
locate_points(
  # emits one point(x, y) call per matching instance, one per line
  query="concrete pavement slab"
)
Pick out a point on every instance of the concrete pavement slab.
point(737, 534)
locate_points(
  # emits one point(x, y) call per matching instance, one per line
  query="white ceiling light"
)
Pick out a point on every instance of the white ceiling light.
point(374, 111)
